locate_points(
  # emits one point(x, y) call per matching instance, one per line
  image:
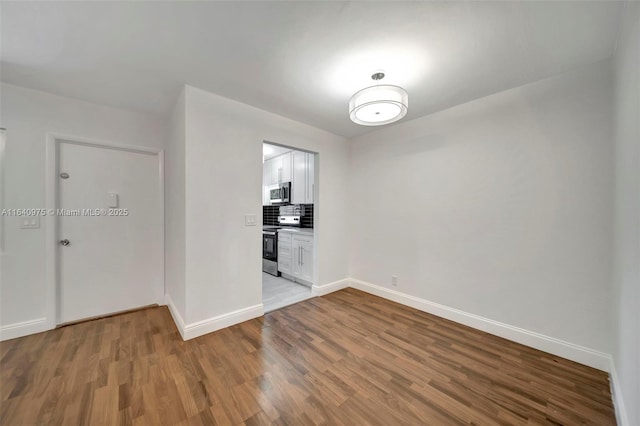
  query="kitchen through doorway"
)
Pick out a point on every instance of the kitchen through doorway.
point(289, 182)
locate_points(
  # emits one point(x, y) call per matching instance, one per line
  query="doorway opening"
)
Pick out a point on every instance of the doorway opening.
point(289, 192)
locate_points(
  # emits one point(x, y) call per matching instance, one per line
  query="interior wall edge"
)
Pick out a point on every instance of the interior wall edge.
point(561, 348)
point(175, 314)
point(209, 325)
point(616, 395)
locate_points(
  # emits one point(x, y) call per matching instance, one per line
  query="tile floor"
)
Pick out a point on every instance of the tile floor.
point(278, 292)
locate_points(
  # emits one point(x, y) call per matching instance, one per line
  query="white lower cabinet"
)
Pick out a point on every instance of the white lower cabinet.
point(302, 248)
point(295, 256)
point(284, 253)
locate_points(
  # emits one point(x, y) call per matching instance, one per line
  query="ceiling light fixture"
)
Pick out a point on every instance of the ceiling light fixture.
point(379, 104)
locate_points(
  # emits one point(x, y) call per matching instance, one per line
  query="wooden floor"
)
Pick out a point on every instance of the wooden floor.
point(344, 359)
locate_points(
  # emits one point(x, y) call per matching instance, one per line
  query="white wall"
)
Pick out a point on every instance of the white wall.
point(223, 183)
point(175, 210)
point(28, 115)
point(626, 281)
point(500, 207)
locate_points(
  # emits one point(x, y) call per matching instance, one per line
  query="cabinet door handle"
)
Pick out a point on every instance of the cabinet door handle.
point(301, 256)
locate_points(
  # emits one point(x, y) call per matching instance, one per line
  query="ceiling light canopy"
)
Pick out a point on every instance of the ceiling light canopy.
point(378, 105)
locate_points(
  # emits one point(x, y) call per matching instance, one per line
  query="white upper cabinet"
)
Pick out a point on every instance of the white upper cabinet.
point(274, 171)
point(302, 184)
point(296, 167)
point(266, 173)
point(285, 173)
point(311, 180)
point(298, 183)
point(266, 183)
point(281, 168)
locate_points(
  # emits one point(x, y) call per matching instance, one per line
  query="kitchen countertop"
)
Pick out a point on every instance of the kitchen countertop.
point(306, 231)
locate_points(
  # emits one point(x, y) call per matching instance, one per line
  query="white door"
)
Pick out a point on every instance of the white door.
point(114, 259)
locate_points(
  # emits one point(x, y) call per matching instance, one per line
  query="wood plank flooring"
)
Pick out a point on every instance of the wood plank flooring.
point(348, 358)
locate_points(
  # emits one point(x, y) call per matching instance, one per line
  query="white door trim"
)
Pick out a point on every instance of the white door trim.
point(51, 223)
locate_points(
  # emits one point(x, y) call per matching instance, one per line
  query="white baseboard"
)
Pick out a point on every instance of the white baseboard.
point(219, 322)
point(19, 329)
point(177, 318)
point(321, 290)
point(554, 346)
point(616, 394)
point(200, 328)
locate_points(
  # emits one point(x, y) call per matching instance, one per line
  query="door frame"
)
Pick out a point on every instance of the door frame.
point(316, 206)
point(52, 156)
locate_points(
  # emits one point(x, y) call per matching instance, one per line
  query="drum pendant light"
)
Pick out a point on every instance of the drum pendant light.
point(378, 105)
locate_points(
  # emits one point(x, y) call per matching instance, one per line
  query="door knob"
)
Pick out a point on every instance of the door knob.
point(65, 242)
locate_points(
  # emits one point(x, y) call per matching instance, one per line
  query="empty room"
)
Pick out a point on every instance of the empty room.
point(320, 213)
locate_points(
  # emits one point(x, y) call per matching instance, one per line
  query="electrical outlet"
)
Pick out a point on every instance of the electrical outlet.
point(394, 280)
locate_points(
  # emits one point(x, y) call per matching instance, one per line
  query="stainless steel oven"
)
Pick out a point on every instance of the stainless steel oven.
point(280, 194)
point(270, 252)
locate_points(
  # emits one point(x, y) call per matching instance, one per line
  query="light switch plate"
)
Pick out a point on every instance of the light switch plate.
point(112, 199)
point(249, 220)
point(30, 223)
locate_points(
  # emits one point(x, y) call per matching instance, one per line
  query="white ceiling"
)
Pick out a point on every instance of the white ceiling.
point(302, 60)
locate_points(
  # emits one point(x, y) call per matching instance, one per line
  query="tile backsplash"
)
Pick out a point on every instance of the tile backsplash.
point(270, 215)
point(307, 219)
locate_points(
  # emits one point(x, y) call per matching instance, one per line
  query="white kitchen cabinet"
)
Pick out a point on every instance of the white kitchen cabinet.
point(296, 167)
point(311, 160)
point(285, 174)
point(298, 183)
point(303, 181)
point(281, 168)
point(274, 171)
point(302, 259)
point(284, 253)
point(295, 257)
point(266, 183)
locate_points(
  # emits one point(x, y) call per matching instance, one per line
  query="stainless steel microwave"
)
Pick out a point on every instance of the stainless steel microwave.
point(280, 194)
